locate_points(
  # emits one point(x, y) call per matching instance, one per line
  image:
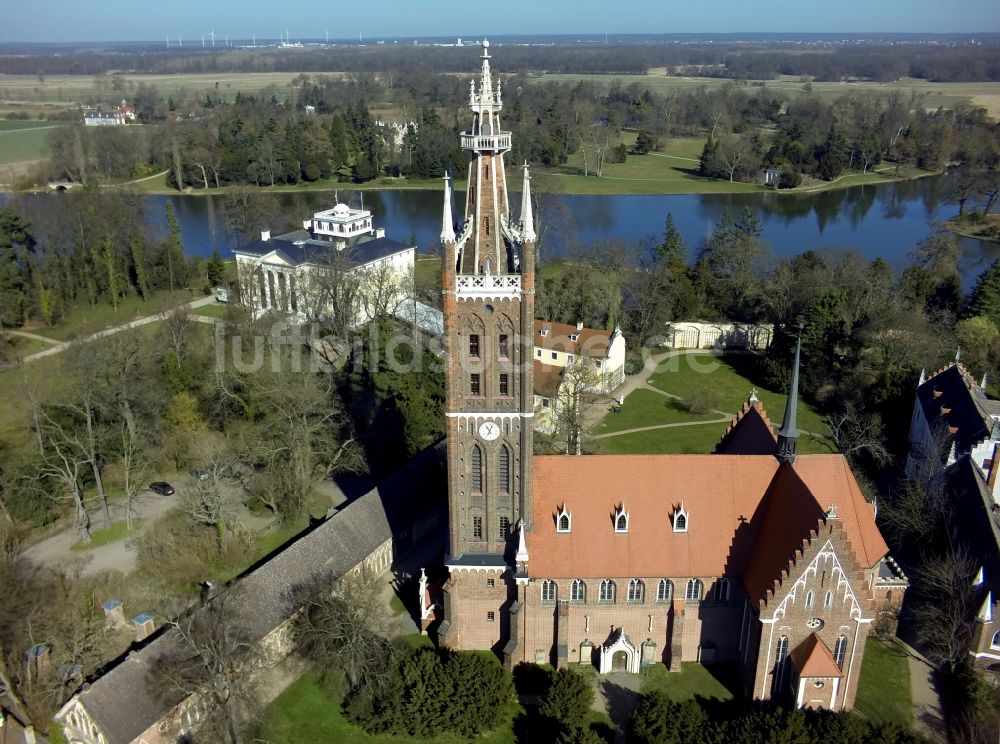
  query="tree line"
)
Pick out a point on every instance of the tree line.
point(761, 61)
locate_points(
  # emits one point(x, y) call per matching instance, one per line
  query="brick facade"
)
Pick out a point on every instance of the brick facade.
point(757, 532)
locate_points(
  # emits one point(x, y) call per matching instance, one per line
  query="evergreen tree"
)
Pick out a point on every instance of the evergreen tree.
point(672, 250)
point(985, 298)
point(215, 268)
point(706, 163)
point(173, 262)
point(17, 248)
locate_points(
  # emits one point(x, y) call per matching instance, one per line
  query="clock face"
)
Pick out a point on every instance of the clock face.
point(489, 430)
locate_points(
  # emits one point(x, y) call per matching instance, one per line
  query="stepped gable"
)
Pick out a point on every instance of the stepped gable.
point(793, 514)
point(750, 433)
point(952, 399)
point(721, 495)
point(812, 658)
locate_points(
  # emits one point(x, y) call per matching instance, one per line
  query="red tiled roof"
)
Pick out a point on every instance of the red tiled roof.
point(750, 433)
point(727, 498)
point(813, 659)
point(590, 341)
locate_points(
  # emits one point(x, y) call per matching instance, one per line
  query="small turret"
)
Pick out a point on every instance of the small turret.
point(447, 224)
point(788, 434)
point(527, 218)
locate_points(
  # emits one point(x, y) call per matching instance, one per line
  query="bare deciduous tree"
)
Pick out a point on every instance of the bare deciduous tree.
point(856, 432)
point(344, 625)
point(946, 614)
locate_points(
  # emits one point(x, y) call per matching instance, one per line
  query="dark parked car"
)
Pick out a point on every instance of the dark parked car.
point(164, 489)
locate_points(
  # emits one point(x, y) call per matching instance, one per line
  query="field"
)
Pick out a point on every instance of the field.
point(18, 144)
point(69, 90)
point(986, 95)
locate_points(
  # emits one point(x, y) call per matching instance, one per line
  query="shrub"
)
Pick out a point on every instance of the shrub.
point(700, 401)
point(568, 698)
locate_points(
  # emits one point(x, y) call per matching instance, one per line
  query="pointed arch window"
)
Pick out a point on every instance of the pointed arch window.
point(693, 591)
point(681, 520)
point(809, 599)
point(504, 465)
point(839, 651)
point(578, 591)
point(476, 465)
point(995, 643)
point(607, 591)
point(548, 591)
point(664, 590)
point(828, 600)
point(780, 659)
point(564, 520)
point(621, 519)
point(504, 528)
point(636, 590)
point(720, 590)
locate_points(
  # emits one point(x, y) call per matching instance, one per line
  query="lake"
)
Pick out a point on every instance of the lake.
point(885, 220)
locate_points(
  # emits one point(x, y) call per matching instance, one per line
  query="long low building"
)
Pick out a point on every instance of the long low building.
point(122, 706)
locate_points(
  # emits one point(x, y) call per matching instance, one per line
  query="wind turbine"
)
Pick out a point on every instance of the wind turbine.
point(212, 34)
point(168, 41)
point(179, 42)
point(203, 41)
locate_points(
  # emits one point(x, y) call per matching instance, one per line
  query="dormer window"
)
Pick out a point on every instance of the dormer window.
point(564, 520)
point(574, 337)
point(621, 519)
point(544, 332)
point(680, 520)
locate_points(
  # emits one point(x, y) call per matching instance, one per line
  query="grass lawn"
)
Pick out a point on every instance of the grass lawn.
point(114, 533)
point(306, 712)
point(673, 170)
point(22, 347)
point(729, 379)
point(23, 144)
point(693, 680)
point(700, 439)
point(647, 408)
point(83, 318)
point(884, 687)
point(218, 310)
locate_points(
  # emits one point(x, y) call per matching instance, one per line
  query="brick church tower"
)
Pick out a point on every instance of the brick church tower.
point(488, 287)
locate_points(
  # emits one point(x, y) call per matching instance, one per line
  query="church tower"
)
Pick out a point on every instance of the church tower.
point(488, 287)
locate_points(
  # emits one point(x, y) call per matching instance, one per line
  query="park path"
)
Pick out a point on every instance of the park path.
point(927, 718)
point(60, 346)
point(34, 337)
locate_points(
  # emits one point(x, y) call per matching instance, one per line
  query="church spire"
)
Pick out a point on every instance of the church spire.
point(527, 218)
point(447, 223)
point(788, 434)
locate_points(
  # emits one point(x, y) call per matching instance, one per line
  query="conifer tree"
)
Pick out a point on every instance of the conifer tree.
point(985, 298)
point(673, 250)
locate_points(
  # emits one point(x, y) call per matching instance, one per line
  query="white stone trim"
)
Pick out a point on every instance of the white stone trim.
point(622, 644)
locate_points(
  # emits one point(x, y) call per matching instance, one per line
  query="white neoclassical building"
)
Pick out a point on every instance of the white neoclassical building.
point(338, 258)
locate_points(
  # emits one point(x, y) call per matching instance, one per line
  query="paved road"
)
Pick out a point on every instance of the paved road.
point(60, 346)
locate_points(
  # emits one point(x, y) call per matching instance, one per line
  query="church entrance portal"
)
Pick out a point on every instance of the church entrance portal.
point(619, 662)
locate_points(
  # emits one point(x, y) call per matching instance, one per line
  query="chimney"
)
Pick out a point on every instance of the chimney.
point(114, 613)
point(144, 624)
point(379, 232)
point(306, 224)
point(265, 235)
point(579, 325)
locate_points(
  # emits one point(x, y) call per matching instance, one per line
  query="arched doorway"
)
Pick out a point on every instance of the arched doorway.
point(619, 661)
point(619, 654)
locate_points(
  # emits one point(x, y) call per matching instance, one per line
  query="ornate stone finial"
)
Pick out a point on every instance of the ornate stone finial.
point(958, 354)
point(952, 452)
point(447, 224)
point(522, 544)
point(831, 512)
point(753, 397)
point(923, 376)
point(983, 383)
point(527, 216)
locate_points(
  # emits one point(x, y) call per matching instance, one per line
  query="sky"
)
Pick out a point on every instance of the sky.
point(136, 20)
